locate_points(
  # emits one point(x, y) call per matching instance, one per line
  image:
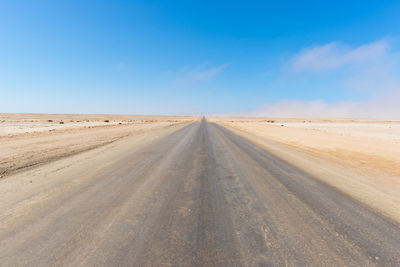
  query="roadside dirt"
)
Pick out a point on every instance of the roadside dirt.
point(189, 195)
point(39, 145)
point(364, 167)
point(362, 146)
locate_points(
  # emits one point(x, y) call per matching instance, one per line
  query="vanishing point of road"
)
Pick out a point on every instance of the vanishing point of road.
point(200, 196)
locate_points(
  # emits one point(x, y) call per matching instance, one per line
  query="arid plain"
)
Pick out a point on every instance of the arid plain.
point(28, 140)
point(105, 190)
point(360, 157)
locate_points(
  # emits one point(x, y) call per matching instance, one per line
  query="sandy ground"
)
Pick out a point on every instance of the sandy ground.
point(11, 124)
point(189, 195)
point(359, 157)
point(28, 140)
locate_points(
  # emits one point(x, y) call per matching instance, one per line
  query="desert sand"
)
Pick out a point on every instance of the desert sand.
point(164, 191)
point(359, 157)
point(28, 140)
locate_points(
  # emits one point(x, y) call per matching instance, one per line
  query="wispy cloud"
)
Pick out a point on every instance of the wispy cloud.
point(372, 70)
point(201, 73)
point(373, 108)
point(336, 55)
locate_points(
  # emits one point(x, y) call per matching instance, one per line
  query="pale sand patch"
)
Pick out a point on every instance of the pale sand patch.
point(363, 166)
point(21, 189)
point(373, 144)
point(15, 123)
point(28, 143)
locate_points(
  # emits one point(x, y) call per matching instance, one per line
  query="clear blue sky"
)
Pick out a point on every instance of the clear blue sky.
point(192, 57)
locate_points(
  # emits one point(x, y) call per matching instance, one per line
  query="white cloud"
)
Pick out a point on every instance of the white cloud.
point(199, 74)
point(382, 108)
point(335, 55)
point(372, 70)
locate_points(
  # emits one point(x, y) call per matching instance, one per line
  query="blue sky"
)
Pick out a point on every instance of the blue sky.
point(199, 57)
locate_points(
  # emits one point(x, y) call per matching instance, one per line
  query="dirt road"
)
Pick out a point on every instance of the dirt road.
point(198, 195)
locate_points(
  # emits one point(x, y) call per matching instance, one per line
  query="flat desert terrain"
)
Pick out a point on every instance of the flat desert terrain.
point(110, 190)
point(27, 140)
point(359, 157)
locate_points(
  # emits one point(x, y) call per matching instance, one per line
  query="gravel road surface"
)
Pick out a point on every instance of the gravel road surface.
point(199, 196)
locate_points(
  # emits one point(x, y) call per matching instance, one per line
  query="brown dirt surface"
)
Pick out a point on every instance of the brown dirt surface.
point(28, 140)
point(359, 157)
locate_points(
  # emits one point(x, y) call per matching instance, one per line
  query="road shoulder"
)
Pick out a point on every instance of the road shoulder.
point(357, 183)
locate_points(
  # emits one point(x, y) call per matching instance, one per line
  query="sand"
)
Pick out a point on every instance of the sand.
point(11, 124)
point(370, 144)
point(27, 140)
point(358, 157)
